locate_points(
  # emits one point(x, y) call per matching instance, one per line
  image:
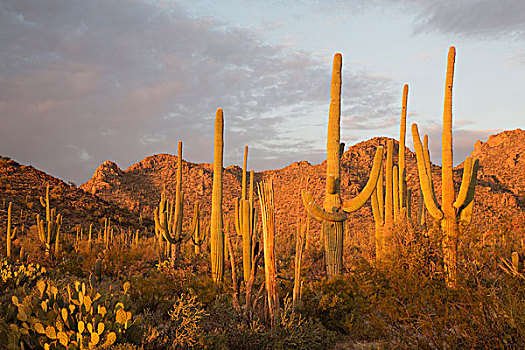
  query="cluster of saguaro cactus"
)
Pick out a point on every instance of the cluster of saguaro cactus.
point(10, 235)
point(49, 231)
point(334, 213)
point(216, 224)
point(391, 203)
point(246, 220)
point(455, 214)
point(169, 216)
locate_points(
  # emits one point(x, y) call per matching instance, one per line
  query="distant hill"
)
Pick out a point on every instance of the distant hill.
point(23, 185)
point(500, 193)
point(125, 194)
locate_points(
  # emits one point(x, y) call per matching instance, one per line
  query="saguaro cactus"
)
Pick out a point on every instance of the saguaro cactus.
point(216, 232)
point(332, 217)
point(383, 214)
point(270, 267)
point(199, 232)
point(246, 220)
point(10, 235)
point(455, 215)
point(168, 223)
point(395, 195)
point(405, 194)
point(50, 233)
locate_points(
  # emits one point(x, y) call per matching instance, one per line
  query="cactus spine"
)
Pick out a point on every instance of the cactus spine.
point(50, 233)
point(217, 234)
point(246, 220)
point(455, 215)
point(332, 217)
point(10, 235)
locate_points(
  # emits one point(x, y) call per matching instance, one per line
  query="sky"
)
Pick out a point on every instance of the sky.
point(82, 82)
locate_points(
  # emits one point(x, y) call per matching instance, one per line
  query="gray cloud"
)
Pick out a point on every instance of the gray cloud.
point(481, 19)
point(86, 81)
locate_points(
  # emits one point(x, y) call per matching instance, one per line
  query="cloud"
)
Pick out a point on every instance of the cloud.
point(124, 79)
point(482, 19)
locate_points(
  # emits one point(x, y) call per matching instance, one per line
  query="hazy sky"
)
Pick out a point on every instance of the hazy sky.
point(86, 81)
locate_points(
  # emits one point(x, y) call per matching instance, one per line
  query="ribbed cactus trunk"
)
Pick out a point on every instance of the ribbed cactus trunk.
point(179, 212)
point(403, 191)
point(333, 232)
point(335, 212)
point(449, 223)
point(270, 268)
point(455, 215)
point(217, 235)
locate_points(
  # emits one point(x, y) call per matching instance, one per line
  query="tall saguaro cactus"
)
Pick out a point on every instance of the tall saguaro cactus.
point(216, 232)
point(404, 192)
point(334, 213)
point(50, 232)
point(246, 220)
point(169, 224)
point(455, 215)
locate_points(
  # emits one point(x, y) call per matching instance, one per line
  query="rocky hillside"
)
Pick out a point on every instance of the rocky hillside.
point(23, 185)
point(500, 194)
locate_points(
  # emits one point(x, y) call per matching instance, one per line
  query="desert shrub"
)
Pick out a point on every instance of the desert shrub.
point(185, 327)
point(297, 332)
point(337, 303)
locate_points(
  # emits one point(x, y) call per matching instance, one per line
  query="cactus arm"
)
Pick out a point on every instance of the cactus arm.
point(465, 211)
point(402, 140)
point(318, 213)
point(252, 177)
point(465, 183)
point(447, 185)
point(396, 193)
point(472, 186)
point(358, 201)
point(424, 181)
point(380, 194)
point(408, 206)
point(244, 167)
point(246, 240)
point(238, 217)
point(389, 217)
point(375, 209)
point(426, 156)
point(468, 183)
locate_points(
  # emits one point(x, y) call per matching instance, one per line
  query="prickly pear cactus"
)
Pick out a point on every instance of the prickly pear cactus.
point(82, 318)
